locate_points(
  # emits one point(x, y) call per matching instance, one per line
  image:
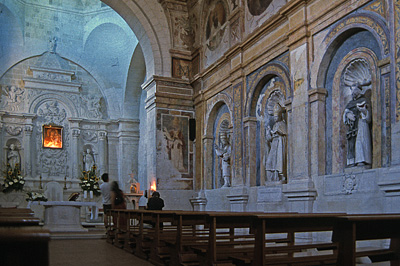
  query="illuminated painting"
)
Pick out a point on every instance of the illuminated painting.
point(52, 137)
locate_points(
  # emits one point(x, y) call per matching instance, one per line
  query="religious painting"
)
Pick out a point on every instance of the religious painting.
point(176, 135)
point(257, 7)
point(52, 137)
point(216, 25)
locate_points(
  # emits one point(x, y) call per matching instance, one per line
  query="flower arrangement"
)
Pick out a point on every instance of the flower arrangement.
point(90, 182)
point(35, 196)
point(13, 180)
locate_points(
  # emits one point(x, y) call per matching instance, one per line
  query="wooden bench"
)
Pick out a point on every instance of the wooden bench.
point(191, 231)
point(352, 228)
point(295, 251)
point(22, 240)
point(24, 245)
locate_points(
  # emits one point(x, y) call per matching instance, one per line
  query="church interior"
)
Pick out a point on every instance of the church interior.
point(239, 106)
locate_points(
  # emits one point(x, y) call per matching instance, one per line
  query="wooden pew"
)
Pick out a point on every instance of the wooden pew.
point(352, 228)
point(16, 212)
point(229, 235)
point(18, 217)
point(165, 230)
point(24, 245)
point(191, 231)
point(293, 252)
point(22, 240)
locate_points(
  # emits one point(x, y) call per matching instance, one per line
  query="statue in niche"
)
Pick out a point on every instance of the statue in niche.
point(13, 157)
point(276, 150)
point(224, 152)
point(357, 114)
point(88, 160)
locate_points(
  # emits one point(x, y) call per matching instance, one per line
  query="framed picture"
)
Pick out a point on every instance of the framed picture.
point(52, 137)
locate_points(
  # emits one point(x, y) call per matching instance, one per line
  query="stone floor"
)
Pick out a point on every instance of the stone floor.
point(90, 252)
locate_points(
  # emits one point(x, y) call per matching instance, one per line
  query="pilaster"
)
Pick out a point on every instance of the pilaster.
point(238, 198)
point(317, 99)
point(75, 158)
point(169, 107)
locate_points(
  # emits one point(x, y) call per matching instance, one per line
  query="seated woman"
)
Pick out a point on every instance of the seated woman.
point(117, 202)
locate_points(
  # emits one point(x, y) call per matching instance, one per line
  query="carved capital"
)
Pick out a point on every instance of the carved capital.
point(318, 94)
point(102, 135)
point(28, 130)
point(76, 133)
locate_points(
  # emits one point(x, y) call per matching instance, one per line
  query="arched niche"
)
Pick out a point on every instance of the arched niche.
point(218, 120)
point(263, 87)
point(355, 37)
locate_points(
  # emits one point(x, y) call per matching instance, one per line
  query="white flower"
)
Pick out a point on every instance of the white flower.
point(15, 180)
point(22, 182)
point(10, 183)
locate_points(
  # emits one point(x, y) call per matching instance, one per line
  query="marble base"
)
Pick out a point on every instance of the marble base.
point(64, 216)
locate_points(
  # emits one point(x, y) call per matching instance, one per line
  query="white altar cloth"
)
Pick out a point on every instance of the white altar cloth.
point(64, 216)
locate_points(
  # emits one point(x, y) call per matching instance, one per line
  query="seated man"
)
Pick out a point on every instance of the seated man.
point(155, 202)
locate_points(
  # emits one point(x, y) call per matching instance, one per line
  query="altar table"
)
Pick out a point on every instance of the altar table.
point(64, 216)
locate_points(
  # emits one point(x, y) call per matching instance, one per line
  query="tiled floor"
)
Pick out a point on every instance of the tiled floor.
point(90, 252)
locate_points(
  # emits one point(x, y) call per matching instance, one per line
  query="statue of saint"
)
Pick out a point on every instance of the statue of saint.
point(357, 118)
point(88, 160)
point(13, 157)
point(224, 152)
point(275, 163)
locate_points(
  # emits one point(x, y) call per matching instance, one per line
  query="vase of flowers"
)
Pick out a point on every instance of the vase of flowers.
point(90, 182)
point(13, 180)
point(35, 196)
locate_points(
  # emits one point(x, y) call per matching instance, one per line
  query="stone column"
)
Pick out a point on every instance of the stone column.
point(167, 98)
point(128, 135)
point(103, 166)
point(27, 150)
point(207, 162)
point(76, 156)
point(299, 190)
point(2, 159)
point(27, 139)
point(317, 99)
point(250, 131)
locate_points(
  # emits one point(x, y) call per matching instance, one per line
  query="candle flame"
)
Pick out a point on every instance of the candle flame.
point(153, 186)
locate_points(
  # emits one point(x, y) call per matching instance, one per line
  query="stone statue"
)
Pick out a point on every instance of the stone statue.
point(224, 152)
point(357, 114)
point(53, 45)
point(13, 157)
point(275, 163)
point(88, 160)
point(357, 118)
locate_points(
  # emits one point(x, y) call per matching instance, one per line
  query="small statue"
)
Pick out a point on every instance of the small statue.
point(134, 185)
point(13, 157)
point(88, 160)
point(224, 152)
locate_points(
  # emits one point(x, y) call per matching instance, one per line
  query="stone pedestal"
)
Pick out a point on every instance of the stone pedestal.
point(389, 183)
point(134, 199)
point(300, 195)
point(64, 216)
point(199, 203)
point(238, 198)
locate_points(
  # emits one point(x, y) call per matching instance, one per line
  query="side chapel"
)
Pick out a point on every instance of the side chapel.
point(228, 105)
